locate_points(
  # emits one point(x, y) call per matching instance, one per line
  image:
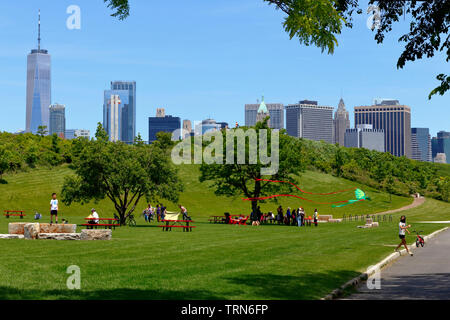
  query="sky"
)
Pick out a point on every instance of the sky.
point(204, 59)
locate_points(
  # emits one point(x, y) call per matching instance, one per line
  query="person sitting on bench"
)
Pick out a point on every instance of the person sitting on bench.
point(93, 217)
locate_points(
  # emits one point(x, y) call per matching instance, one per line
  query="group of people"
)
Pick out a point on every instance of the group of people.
point(296, 217)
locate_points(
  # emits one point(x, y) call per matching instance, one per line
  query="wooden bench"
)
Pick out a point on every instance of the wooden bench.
point(106, 225)
point(176, 224)
point(14, 213)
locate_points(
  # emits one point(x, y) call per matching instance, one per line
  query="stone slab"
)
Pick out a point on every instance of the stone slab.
point(31, 230)
point(16, 227)
point(11, 236)
point(58, 228)
point(96, 234)
point(59, 236)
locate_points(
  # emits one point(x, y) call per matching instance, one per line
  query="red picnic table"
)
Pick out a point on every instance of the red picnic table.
point(113, 223)
point(177, 224)
point(238, 219)
point(14, 213)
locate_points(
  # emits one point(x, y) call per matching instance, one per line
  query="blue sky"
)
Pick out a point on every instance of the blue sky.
point(200, 59)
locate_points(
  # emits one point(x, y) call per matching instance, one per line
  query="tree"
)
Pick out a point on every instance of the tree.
point(123, 173)
point(242, 179)
point(4, 161)
point(317, 22)
point(42, 131)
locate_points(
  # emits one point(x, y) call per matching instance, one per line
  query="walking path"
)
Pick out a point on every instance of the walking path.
point(426, 275)
point(417, 202)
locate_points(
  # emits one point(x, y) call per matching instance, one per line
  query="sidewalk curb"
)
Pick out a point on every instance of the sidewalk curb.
point(371, 270)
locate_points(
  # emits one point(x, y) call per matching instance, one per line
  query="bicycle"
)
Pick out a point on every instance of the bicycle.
point(420, 241)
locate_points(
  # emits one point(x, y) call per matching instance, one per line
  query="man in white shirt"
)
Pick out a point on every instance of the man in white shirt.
point(54, 208)
point(95, 217)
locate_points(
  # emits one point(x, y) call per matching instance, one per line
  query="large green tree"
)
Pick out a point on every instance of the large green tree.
point(236, 179)
point(318, 22)
point(123, 173)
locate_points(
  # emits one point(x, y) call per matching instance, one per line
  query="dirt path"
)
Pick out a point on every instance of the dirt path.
point(417, 202)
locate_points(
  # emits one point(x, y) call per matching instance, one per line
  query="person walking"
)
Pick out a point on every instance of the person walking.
point(402, 229)
point(316, 217)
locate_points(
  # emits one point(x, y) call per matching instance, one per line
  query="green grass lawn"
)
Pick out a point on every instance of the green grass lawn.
point(213, 262)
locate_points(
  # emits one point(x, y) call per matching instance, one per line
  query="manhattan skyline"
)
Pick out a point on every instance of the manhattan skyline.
point(204, 60)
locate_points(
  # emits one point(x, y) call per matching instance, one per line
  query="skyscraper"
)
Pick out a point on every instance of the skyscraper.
point(441, 144)
point(57, 119)
point(128, 122)
point(364, 136)
point(341, 123)
point(187, 128)
point(394, 119)
point(310, 121)
point(276, 113)
point(421, 144)
point(160, 123)
point(38, 86)
point(262, 113)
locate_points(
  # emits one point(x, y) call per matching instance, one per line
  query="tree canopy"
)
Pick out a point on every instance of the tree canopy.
point(317, 22)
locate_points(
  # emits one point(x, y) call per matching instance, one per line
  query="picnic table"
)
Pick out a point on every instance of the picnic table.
point(103, 222)
point(238, 219)
point(14, 213)
point(216, 219)
point(184, 224)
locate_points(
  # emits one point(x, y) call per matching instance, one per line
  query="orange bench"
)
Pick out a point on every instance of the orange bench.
point(14, 213)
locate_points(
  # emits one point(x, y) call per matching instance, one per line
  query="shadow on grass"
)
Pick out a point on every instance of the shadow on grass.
point(3, 181)
point(305, 286)
point(111, 294)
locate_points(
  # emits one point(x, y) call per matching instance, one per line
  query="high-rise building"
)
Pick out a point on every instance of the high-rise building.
point(421, 144)
point(310, 121)
point(128, 116)
point(162, 124)
point(77, 133)
point(341, 123)
point(276, 113)
point(441, 144)
point(57, 119)
point(364, 136)
point(394, 119)
point(112, 117)
point(187, 128)
point(38, 86)
point(160, 112)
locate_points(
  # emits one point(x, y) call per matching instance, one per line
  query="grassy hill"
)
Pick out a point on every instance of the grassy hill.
point(32, 190)
point(213, 262)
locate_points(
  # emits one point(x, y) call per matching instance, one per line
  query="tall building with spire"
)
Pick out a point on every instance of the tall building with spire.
point(275, 111)
point(262, 113)
point(341, 123)
point(38, 86)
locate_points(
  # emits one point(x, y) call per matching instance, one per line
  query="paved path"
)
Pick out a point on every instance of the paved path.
point(426, 275)
point(416, 202)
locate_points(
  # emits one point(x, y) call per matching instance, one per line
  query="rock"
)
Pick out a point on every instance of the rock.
point(59, 236)
point(325, 217)
point(16, 227)
point(335, 220)
point(58, 228)
point(31, 230)
point(375, 224)
point(11, 236)
point(96, 234)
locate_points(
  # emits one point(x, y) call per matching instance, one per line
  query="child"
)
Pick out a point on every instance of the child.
point(402, 227)
point(54, 208)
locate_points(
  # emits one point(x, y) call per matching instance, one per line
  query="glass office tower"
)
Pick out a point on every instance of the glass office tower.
point(38, 87)
point(128, 121)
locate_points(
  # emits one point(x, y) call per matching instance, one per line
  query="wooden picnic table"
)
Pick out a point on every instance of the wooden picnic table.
point(113, 223)
point(184, 224)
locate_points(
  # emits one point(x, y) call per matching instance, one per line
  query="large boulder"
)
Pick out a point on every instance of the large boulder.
point(11, 236)
point(31, 230)
point(58, 228)
point(325, 217)
point(59, 236)
point(16, 227)
point(89, 234)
